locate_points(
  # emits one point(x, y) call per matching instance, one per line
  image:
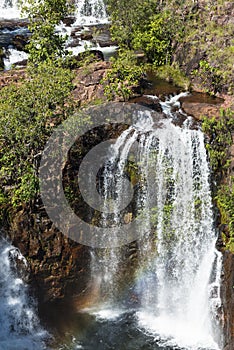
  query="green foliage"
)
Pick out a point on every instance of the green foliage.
point(181, 32)
point(174, 75)
point(28, 113)
point(206, 36)
point(43, 17)
point(209, 76)
point(155, 39)
point(225, 202)
point(127, 17)
point(220, 134)
point(124, 74)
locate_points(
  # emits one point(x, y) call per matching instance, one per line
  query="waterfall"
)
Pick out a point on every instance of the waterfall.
point(91, 12)
point(87, 11)
point(9, 9)
point(20, 328)
point(178, 276)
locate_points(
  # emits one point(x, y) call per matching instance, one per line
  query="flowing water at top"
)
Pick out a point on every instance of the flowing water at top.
point(87, 13)
point(91, 12)
point(9, 9)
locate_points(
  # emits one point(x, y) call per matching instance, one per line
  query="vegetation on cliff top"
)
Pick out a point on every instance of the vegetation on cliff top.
point(31, 108)
point(28, 113)
point(196, 37)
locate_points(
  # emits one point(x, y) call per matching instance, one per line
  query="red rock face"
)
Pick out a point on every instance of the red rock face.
point(227, 294)
point(59, 267)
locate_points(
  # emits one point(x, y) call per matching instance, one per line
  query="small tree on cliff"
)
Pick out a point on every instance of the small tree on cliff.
point(43, 17)
point(29, 111)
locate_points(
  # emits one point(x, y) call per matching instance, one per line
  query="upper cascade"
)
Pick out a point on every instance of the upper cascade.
point(90, 12)
point(9, 9)
point(87, 12)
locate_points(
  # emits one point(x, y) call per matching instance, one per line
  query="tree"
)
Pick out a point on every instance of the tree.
point(28, 113)
point(156, 38)
point(127, 17)
point(43, 17)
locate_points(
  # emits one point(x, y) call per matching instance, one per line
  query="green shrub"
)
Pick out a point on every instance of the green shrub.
point(124, 74)
point(28, 113)
point(44, 16)
point(220, 139)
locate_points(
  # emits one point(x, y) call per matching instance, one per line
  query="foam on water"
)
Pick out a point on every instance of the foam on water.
point(9, 9)
point(20, 328)
point(14, 56)
point(90, 12)
point(170, 331)
point(108, 313)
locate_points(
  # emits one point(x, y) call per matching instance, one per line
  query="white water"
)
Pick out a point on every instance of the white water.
point(91, 12)
point(14, 56)
point(20, 328)
point(87, 13)
point(179, 266)
point(9, 9)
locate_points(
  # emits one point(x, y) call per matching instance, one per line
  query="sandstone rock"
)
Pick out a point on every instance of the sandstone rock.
point(19, 42)
point(12, 24)
point(57, 264)
point(86, 36)
point(148, 102)
point(68, 21)
point(227, 294)
point(11, 76)
point(87, 82)
point(209, 107)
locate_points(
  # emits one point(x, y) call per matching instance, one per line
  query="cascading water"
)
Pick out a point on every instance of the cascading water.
point(178, 278)
point(87, 13)
point(91, 12)
point(20, 328)
point(9, 9)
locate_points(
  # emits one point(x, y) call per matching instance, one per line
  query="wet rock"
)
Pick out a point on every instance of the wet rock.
point(74, 43)
point(2, 56)
point(148, 102)
point(12, 24)
point(22, 63)
point(57, 264)
point(19, 42)
point(102, 36)
point(86, 36)
point(68, 21)
point(5, 39)
point(76, 31)
point(17, 38)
